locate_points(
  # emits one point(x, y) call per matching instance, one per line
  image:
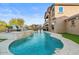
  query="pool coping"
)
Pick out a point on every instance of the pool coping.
point(70, 47)
point(4, 48)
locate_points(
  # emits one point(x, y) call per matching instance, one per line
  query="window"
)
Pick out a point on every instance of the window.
point(60, 9)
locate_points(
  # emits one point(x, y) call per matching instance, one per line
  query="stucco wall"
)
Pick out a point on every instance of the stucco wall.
point(67, 11)
point(73, 29)
point(60, 26)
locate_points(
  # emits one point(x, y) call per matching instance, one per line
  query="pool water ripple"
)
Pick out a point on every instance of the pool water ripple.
point(36, 44)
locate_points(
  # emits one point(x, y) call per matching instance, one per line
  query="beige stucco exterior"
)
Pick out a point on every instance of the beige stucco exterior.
point(70, 11)
point(67, 11)
point(61, 26)
point(73, 29)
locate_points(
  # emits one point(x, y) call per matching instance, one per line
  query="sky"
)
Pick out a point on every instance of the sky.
point(32, 13)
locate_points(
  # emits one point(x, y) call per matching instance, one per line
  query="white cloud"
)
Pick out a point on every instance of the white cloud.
point(35, 9)
point(7, 13)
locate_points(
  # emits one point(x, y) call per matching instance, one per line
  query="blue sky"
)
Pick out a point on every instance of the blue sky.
point(32, 13)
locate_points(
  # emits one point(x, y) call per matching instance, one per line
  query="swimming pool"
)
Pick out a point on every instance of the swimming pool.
point(36, 44)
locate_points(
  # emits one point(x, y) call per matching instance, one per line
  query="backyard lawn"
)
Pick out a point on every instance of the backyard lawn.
point(72, 37)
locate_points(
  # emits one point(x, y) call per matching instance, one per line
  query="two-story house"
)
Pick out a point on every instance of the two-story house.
point(62, 17)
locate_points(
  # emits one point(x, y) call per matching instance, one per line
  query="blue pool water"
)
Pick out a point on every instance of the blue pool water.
point(36, 44)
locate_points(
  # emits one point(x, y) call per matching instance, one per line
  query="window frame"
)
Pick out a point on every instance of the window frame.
point(60, 9)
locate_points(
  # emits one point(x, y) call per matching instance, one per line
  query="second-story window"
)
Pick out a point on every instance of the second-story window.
point(60, 9)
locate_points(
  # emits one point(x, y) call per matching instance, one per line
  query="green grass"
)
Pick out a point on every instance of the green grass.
point(72, 37)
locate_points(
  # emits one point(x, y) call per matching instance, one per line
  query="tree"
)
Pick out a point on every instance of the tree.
point(2, 26)
point(17, 22)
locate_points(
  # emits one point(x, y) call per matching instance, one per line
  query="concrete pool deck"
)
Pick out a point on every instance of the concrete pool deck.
point(12, 36)
point(70, 47)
